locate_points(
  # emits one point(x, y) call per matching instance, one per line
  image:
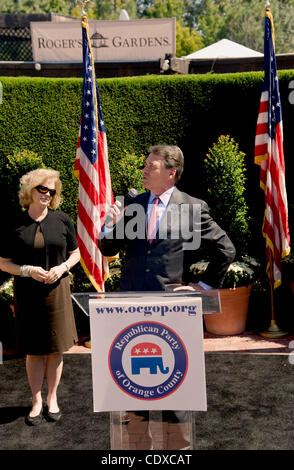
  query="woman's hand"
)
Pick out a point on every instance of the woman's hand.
point(55, 273)
point(38, 273)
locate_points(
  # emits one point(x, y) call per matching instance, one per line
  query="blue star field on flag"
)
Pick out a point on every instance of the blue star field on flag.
point(89, 118)
point(271, 81)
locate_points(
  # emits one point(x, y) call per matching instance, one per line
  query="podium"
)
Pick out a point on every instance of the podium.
point(148, 365)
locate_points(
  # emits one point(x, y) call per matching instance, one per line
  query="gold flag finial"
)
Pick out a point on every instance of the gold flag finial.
point(83, 5)
point(268, 13)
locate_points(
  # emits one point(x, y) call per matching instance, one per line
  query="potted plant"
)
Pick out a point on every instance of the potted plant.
point(235, 295)
point(6, 291)
point(224, 169)
point(7, 335)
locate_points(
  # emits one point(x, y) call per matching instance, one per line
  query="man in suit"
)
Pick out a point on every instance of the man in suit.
point(162, 230)
point(166, 261)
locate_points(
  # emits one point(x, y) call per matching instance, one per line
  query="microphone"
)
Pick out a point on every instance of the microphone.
point(130, 196)
point(127, 199)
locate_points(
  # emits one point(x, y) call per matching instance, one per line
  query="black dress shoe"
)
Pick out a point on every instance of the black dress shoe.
point(34, 420)
point(49, 416)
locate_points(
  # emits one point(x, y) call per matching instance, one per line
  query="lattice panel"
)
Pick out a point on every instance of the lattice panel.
point(15, 44)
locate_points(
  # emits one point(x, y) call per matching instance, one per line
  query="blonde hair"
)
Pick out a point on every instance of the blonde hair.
point(37, 177)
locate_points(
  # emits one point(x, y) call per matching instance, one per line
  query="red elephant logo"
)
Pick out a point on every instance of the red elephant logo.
point(147, 356)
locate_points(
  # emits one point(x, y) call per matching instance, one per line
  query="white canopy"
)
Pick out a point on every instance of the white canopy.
point(223, 49)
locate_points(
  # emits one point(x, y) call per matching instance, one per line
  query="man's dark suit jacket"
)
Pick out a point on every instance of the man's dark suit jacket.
point(155, 266)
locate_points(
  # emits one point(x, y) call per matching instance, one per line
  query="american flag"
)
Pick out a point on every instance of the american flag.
point(92, 169)
point(269, 155)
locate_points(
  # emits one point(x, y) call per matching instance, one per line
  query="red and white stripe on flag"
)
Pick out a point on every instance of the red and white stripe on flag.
point(92, 169)
point(269, 155)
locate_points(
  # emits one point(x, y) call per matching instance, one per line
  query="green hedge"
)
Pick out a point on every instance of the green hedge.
point(42, 115)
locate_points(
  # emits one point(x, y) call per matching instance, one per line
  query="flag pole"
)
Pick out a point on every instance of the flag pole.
point(273, 331)
point(91, 168)
point(269, 155)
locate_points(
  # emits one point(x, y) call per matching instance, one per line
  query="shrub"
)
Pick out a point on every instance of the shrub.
point(225, 178)
point(128, 174)
point(12, 168)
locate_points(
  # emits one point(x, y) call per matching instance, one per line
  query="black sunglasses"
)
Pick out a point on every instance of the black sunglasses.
point(44, 190)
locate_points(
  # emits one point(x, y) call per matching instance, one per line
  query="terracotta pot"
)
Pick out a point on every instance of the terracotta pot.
point(232, 320)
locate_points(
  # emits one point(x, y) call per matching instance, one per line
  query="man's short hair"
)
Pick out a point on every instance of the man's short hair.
point(173, 157)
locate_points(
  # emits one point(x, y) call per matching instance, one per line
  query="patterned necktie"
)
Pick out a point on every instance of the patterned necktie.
point(152, 220)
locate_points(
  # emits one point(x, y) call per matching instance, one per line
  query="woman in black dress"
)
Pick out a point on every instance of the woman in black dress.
point(39, 251)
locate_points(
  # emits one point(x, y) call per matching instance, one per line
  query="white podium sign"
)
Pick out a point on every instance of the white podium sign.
point(147, 353)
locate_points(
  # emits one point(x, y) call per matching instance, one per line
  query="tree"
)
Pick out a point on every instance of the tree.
point(36, 6)
point(109, 9)
point(188, 41)
point(210, 21)
point(283, 12)
point(9, 6)
point(242, 21)
point(162, 9)
point(190, 14)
